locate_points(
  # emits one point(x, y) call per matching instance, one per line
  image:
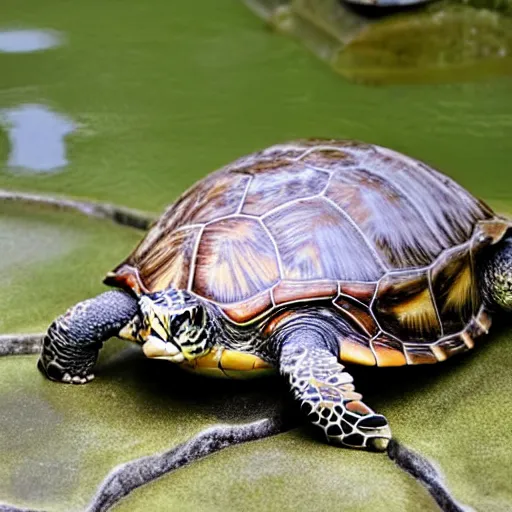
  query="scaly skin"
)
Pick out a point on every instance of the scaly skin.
point(71, 345)
point(308, 358)
point(496, 275)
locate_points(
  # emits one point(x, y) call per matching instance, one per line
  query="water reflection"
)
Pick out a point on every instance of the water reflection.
point(22, 41)
point(36, 137)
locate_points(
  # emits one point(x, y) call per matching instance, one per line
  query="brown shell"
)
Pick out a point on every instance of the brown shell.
point(390, 241)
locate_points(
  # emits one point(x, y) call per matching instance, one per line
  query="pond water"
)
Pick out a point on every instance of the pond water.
point(160, 93)
point(22, 41)
point(36, 138)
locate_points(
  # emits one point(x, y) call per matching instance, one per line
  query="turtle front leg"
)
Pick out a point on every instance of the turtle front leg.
point(70, 347)
point(309, 360)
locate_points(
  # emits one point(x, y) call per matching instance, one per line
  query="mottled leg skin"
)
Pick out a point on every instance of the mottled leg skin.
point(71, 345)
point(308, 359)
point(117, 214)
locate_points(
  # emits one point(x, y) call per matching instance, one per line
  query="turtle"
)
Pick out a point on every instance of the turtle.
point(303, 259)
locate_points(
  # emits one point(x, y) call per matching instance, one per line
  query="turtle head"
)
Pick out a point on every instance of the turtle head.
point(496, 275)
point(174, 325)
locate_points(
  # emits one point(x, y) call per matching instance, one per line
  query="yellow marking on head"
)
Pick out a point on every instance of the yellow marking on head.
point(155, 318)
point(129, 331)
point(461, 291)
point(417, 313)
point(159, 322)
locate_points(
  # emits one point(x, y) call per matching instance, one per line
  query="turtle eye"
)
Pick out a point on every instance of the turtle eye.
point(188, 323)
point(198, 318)
point(180, 322)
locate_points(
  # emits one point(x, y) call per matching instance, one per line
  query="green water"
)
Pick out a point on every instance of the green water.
point(162, 93)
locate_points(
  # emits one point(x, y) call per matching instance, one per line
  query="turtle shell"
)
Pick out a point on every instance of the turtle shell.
point(389, 241)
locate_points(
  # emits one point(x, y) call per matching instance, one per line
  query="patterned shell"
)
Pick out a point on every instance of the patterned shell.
point(390, 241)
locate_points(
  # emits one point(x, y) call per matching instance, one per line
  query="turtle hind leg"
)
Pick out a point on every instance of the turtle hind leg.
point(308, 358)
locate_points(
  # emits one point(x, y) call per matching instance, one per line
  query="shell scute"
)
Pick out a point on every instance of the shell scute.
point(328, 220)
point(249, 309)
point(491, 231)
point(309, 233)
point(236, 259)
point(357, 314)
point(448, 209)
point(480, 324)
point(126, 277)
point(451, 346)
point(329, 159)
point(419, 354)
point(354, 351)
point(292, 291)
point(228, 364)
point(168, 264)
point(281, 185)
point(362, 291)
point(388, 351)
point(405, 308)
point(455, 289)
point(215, 197)
point(378, 208)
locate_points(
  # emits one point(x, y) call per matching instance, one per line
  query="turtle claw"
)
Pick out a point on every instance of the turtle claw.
point(362, 429)
point(55, 372)
point(77, 379)
point(378, 444)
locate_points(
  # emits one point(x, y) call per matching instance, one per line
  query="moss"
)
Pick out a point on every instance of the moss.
point(439, 42)
point(164, 93)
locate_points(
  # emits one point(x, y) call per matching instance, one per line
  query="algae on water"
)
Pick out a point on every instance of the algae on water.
point(447, 41)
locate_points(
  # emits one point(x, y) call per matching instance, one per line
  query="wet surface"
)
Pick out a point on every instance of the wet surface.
point(447, 41)
point(25, 41)
point(169, 92)
point(36, 137)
